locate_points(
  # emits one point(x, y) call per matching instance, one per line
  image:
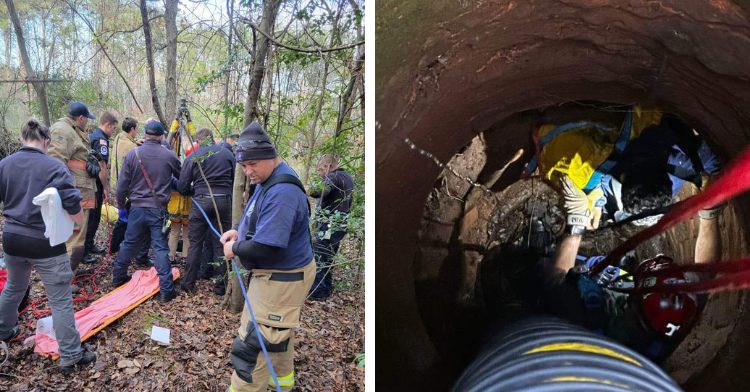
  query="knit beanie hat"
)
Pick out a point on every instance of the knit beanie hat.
point(254, 144)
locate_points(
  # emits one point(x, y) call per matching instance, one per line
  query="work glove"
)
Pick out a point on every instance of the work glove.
point(576, 204)
point(122, 213)
point(714, 211)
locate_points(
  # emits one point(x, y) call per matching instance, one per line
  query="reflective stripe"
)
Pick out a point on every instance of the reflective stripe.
point(89, 203)
point(286, 381)
point(77, 165)
point(230, 389)
point(583, 347)
point(586, 379)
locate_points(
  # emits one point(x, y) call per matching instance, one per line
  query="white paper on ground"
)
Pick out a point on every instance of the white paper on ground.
point(160, 334)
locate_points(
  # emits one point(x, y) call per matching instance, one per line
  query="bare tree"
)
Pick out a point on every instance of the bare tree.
point(39, 87)
point(170, 25)
point(230, 10)
point(150, 61)
point(260, 49)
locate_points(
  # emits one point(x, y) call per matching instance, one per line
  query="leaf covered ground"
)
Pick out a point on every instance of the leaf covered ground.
point(197, 358)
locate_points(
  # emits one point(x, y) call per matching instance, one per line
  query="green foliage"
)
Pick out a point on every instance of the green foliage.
point(361, 359)
point(61, 95)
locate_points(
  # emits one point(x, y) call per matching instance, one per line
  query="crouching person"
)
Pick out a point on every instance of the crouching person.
point(24, 175)
point(273, 241)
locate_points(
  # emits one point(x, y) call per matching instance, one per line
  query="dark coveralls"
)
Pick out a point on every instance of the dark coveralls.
point(218, 166)
point(336, 195)
point(278, 286)
point(100, 144)
point(145, 217)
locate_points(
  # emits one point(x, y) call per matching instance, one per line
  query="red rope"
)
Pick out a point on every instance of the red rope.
point(734, 180)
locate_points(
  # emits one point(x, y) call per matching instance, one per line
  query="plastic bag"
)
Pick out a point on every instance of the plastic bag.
point(45, 326)
point(58, 222)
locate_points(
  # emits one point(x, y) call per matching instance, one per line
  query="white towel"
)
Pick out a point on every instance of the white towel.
point(58, 222)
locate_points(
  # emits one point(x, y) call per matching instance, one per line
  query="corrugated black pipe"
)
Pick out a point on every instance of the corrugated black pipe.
point(548, 354)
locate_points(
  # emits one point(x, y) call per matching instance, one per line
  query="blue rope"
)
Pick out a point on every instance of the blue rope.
point(247, 301)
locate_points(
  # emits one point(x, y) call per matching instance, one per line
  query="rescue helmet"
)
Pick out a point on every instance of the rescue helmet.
point(669, 315)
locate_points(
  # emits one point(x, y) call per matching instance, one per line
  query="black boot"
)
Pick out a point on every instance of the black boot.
point(119, 282)
point(96, 250)
point(87, 358)
point(164, 298)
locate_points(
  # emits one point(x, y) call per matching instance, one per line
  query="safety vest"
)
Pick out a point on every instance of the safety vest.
point(586, 151)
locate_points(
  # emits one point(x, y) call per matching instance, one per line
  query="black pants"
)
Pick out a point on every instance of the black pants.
point(94, 217)
point(324, 251)
point(199, 232)
point(118, 235)
point(207, 269)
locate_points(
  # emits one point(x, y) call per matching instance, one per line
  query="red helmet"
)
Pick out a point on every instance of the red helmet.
point(670, 315)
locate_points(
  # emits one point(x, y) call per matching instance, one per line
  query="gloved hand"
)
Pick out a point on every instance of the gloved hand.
point(122, 213)
point(576, 204)
point(714, 211)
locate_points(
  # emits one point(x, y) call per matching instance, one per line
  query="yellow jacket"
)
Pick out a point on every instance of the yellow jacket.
point(70, 144)
point(582, 150)
point(122, 144)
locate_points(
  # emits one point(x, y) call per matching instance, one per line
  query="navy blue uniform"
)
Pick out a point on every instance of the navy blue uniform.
point(283, 222)
point(336, 196)
point(100, 145)
point(145, 216)
point(218, 167)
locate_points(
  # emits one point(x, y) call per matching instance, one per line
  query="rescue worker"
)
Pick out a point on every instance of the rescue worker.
point(146, 180)
point(70, 144)
point(218, 166)
point(652, 324)
point(24, 175)
point(228, 142)
point(272, 240)
point(334, 204)
point(123, 143)
point(100, 145)
point(623, 173)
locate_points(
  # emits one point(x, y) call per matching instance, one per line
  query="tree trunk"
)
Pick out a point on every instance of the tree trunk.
point(236, 300)
point(39, 88)
point(150, 61)
point(269, 95)
point(259, 62)
point(170, 25)
point(7, 35)
point(350, 94)
point(311, 137)
point(230, 8)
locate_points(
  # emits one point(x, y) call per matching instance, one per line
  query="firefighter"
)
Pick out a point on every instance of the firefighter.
point(272, 240)
point(653, 324)
point(70, 144)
